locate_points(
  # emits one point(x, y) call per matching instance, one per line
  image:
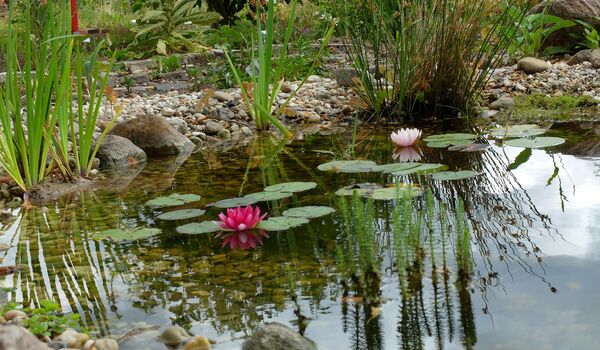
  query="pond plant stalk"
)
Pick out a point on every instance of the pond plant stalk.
point(268, 72)
point(43, 133)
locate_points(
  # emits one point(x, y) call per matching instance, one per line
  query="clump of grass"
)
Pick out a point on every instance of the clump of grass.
point(540, 107)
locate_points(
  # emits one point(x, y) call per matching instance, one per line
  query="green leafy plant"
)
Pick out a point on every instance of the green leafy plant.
point(128, 83)
point(589, 39)
point(172, 26)
point(167, 64)
point(433, 56)
point(48, 321)
point(260, 94)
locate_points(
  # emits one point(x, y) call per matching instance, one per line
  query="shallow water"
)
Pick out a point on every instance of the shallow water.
point(535, 246)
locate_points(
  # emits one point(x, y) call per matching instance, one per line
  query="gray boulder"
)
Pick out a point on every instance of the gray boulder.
point(154, 135)
point(592, 56)
point(118, 152)
point(532, 65)
point(275, 336)
point(18, 338)
point(346, 77)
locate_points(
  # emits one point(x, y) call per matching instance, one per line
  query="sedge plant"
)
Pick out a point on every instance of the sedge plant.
point(260, 94)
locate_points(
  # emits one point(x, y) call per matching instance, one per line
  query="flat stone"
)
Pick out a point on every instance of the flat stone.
point(346, 77)
point(154, 135)
point(532, 65)
point(503, 102)
point(275, 336)
point(222, 96)
point(212, 127)
point(119, 152)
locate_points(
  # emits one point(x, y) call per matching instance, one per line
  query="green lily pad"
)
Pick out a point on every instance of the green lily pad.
point(268, 196)
point(451, 139)
point(524, 130)
point(198, 228)
point(393, 193)
point(236, 202)
point(422, 169)
point(173, 200)
point(453, 175)
point(394, 167)
point(119, 235)
point(281, 223)
point(183, 214)
point(537, 142)
point(361, 189)
point(309, 212)
point(348, 166)
point(470, 147)
point(291, 187)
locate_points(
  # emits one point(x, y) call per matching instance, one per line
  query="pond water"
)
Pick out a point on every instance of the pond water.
point(534, 252)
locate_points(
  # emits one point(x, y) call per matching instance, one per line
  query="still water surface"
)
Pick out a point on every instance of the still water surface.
point(535, 245)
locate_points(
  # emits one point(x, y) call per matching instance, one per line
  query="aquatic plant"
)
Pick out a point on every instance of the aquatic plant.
point(406, 137)
point(241, 219)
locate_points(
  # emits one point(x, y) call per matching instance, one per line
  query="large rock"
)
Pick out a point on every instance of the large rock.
point(154, 135)
point(586, 10)
point(275, 336)
point(17, 338)
point(532, 65)
point(592, 56)
point(118, 152)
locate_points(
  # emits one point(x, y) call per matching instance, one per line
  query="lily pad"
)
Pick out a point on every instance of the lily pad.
point(119, 235)
point(393, 193)
point(451, 139)
point(173, 200)
point(269, 196)
point(198, 228)
point(537, 142)
point(453, 175)
point(361, 189)
point(524, 130)
point(309, 212)
point(291, 187)
point(281, 223)
point(422, 169)
point(348, 166)
point(236, 202)
point(183, 214)
point(470, 147)
point(394, 167)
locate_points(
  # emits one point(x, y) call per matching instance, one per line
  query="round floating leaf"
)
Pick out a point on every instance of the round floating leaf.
point(281, 223)
point(471, 147)
point(163, 202)
point(186, 197)
point(269, 196)
point(291, 187)
point(348, 166)
point(236, 202)
point(393, 193)
point(394, 167)
point(453, 175)
point(450, 137)
point(198, 228)
point(309, 212)
point(183, 214)
point(422, 169)
point(119, 235)
point(537, 142)
point(361, 189)
point(524, 130)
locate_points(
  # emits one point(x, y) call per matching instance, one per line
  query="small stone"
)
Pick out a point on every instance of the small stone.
point(4, 247)
point(174, 335)
point(72, 339)
point(487, 113)
point(275, 336)
point(179, 125)
point(520, 87)
point(286, 87)
point(197, 343)
point(224, 113)
point(222, 96)
point(532, 65)
point(224, 134)
point(15, 315)
point(212, 127)
point(246, 131)
point(101, 344)
point(310, 117)
point(313, 79)
point(503, 102)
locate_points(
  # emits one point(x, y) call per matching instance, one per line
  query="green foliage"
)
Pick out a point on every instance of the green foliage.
point(589, 39)
point(260, 94)
point(172, 26)
point(167, 64)
point(47, 320)
point(128, 83)
point(433, 56)
point(529, 32)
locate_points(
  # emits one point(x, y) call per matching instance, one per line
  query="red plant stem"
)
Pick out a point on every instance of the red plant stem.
point(74, 19)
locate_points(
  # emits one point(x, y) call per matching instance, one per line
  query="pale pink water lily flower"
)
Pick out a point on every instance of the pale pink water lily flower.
point(406, 137)
point(241, 219)
point(407, 154)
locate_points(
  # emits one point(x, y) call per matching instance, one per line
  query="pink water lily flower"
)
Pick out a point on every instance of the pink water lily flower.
point(241, 219)
point(406, 137)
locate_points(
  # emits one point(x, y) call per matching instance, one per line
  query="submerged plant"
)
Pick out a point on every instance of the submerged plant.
point(241, 219)
point(406, 137)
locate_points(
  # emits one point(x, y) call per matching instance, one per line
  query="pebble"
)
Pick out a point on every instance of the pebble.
point(72, 339)
point(222, 96)
point(197, 343)
point(212, 127)
point(174, 336)
point(224, 134)
point(101, 344)
point(15, 315)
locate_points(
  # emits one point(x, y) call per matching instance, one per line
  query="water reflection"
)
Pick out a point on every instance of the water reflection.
point(407, 154)
point(224, 288)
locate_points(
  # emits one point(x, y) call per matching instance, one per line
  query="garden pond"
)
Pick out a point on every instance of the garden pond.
point(532, 253)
